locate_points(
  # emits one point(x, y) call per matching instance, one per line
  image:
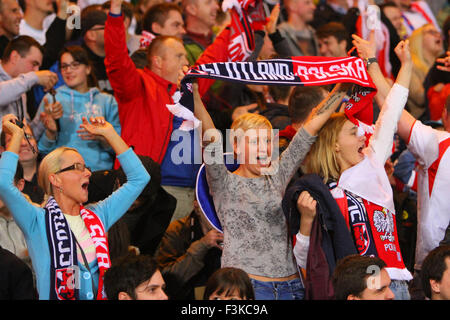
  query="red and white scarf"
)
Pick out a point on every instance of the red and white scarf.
point(63, 252)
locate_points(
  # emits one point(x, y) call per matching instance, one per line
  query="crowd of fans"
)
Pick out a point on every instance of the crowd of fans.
point(107, 190)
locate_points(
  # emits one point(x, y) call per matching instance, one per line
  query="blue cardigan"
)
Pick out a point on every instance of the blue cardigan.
point(31, 219)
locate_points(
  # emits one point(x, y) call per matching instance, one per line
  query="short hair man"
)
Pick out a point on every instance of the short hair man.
point(19, 71)
point(134, 278)
point(436, 274)
point(301, 102)
point(333, 40)
point(300, 35)
point(10, 17)
point(361, 278)
point(200, 17)
point(164, 19)
point(38, 16)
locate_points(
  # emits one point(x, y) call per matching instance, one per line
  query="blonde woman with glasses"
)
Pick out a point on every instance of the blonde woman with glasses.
point(66, 241)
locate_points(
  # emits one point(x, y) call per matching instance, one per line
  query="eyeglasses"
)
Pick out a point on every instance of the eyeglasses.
point(76, 166)
point(74, 65)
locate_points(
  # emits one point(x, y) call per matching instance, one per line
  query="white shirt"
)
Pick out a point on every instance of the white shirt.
point(433, 187)
point(39, 35)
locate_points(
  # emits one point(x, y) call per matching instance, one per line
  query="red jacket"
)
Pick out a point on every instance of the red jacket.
point(142, 95)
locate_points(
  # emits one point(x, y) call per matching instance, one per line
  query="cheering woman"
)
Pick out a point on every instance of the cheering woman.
point(67, 241)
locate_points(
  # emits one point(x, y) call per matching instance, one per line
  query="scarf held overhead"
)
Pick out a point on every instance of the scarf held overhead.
point(306, 71)
point(63, 252)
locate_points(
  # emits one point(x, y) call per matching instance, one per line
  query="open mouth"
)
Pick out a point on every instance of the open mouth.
point(85, 186)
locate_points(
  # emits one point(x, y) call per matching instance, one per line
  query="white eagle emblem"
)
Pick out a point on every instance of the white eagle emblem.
point(384, 222)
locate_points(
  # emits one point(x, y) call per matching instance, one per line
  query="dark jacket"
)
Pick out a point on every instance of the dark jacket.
point(16, 279)
point(185, 261)
point(330, 238)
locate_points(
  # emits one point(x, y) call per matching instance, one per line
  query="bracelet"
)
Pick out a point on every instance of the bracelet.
point(369, 61)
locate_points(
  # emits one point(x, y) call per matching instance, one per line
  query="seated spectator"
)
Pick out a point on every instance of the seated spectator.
point(135, 278)
point(436, 274)
point(79, 98)
point(29, 159)
point(189, 253)
point(426, 46)
point(229, 284)
point(361, 278)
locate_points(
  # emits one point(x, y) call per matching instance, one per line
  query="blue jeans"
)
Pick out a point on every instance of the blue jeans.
point(279, 290)
point(400, 289)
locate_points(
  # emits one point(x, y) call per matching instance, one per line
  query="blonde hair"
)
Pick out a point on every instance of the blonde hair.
point(322, 157)
point(51, 164)
point(251, 121)
point(417, 50)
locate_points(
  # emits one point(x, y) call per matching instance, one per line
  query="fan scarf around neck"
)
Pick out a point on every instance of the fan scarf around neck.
point(63, 252)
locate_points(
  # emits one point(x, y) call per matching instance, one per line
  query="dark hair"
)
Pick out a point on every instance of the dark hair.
point(19, 173)
point(226, 280)
point(158, 13)
point(445, 30)
point(79, 54)
point(335, 29)
point(303, 100)
point(433, 267)
point(21, 45)
point(279, 92)
point(349, 276)
point(127, 273)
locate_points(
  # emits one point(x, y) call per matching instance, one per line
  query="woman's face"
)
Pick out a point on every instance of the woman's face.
point(74, 73)
point(432, 40)
point(73, 183)
point(254, 150)
point(349, 146)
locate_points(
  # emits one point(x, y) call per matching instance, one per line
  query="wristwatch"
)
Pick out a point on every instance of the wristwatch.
point(369, 61)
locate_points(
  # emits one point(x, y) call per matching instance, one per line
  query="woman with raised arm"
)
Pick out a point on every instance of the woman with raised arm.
point(355, 175)
point(248, 200)
point(67, 241)
point(431, 148)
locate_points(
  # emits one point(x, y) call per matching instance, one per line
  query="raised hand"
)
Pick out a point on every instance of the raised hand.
point(116, 6)
point(445, 63)
point(271, 25)
point(9, 125)
point(402, 51)
point(94, 129)
point(366, 48)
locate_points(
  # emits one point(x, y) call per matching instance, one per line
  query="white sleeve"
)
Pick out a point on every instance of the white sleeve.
point(301, 249)
point(386, 125)
point(424, 143)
